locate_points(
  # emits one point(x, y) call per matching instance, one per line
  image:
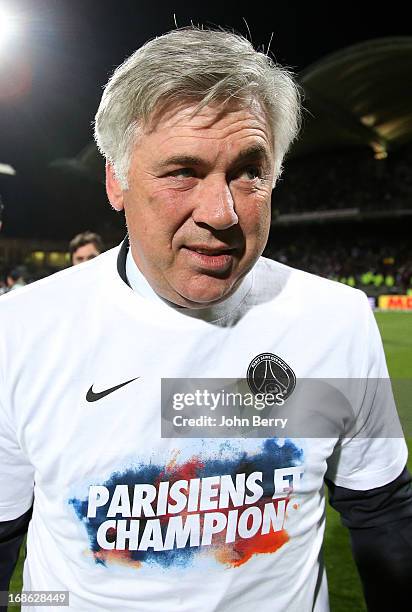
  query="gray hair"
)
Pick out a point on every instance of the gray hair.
point(192, 65)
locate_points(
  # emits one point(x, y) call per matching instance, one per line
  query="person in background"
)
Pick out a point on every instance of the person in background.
point(85, 246)
point(16, 278)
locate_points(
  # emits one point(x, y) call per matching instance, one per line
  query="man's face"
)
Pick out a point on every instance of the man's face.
point(84, 253)
point(198, 203)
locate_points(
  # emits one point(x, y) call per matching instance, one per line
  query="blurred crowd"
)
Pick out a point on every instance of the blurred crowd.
point(346, 179)
point(363, 264)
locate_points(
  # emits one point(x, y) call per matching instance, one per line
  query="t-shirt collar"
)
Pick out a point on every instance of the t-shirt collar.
point(131, 275)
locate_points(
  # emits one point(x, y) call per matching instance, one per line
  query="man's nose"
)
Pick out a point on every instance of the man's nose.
point(215, 205)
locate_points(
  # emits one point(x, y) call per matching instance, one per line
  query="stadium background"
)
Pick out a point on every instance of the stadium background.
point(342, 208)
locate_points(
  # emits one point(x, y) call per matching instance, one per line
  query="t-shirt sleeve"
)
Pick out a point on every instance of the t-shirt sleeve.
point(375, 452)
point(16, 472)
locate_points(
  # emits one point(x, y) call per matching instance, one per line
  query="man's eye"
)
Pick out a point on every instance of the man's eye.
point(183, 173)
point(250, 173)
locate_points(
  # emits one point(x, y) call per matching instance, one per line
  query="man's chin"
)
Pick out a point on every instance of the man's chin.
point(203, 297)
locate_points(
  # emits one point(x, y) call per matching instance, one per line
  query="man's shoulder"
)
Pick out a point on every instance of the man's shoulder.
point(60, 289)
point(303, 286)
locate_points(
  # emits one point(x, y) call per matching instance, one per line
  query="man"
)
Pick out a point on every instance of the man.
point(16, 278)
point(85, 246)
point(194, 127)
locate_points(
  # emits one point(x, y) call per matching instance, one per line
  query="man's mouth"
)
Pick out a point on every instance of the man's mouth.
point(218, 258)
point(208, 250)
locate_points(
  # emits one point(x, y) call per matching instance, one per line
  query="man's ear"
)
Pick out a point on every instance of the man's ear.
point(113, 188)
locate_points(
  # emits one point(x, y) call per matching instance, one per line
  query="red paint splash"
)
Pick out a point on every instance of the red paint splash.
point(241, 551)
point(122, 557)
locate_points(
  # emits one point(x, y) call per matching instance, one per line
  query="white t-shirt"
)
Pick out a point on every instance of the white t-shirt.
point(127, 520)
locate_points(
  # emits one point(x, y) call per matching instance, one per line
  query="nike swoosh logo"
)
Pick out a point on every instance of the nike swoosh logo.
point(91, 396)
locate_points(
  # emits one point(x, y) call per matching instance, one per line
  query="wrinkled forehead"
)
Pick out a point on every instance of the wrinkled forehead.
point(200, 116)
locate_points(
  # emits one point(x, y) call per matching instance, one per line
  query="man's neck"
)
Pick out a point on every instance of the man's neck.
point(211, 313)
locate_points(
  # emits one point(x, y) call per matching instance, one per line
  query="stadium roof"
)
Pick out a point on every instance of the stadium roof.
point(360, 96)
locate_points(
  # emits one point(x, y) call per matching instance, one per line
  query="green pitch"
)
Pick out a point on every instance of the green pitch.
point(344, 586)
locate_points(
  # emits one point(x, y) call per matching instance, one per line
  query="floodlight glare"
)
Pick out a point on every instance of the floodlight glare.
point(8, 26)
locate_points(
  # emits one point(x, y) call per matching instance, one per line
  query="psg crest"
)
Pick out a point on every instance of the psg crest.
point(268, 373)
